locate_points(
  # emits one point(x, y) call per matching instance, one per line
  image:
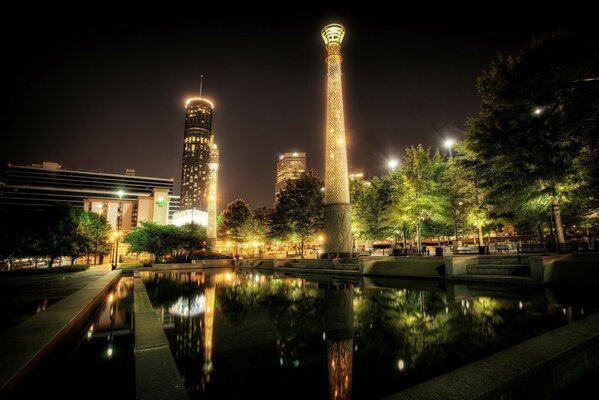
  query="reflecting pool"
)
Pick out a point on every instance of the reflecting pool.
point(239, 334)
point(98, 360)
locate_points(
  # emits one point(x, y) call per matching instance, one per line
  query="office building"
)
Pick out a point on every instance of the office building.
point(290, 166)
point(39, 186)
point(196, 154)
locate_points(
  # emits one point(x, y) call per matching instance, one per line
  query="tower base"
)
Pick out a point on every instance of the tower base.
point(211, 244)
point(337, 229)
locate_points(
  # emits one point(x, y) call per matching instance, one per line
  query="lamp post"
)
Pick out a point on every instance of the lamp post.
point(449, 143)
point(119, 217)
point(97, 229)
point(456, 221)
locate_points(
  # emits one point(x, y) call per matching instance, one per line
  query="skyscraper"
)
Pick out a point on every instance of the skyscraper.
point(337, 210)
point(290, 165)
point(196, 154)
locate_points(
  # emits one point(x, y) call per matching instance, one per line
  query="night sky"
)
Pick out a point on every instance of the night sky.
point(108, 93)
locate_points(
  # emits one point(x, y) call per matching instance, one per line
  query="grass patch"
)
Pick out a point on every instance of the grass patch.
point(131, 265)
point(44, 271)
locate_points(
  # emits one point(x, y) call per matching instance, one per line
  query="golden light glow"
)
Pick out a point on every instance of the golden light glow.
point(198, 99)
point(212, 190)
point(333, 33)
point(336, 180)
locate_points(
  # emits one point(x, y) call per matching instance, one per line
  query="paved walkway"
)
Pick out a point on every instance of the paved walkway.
point(25, 346)
point(22, 297)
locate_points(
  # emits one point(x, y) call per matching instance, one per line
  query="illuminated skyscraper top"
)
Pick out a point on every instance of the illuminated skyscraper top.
point(289, 166)
point(196, 154)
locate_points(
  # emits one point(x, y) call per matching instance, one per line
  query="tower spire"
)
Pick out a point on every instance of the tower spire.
point(201, 84)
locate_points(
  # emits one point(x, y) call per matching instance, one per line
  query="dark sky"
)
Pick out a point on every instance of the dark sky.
point(107, 93)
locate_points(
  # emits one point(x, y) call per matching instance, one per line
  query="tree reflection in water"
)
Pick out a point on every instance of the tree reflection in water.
point(289, 337)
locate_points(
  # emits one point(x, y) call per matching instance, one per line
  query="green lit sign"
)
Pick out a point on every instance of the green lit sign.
point(160, 202)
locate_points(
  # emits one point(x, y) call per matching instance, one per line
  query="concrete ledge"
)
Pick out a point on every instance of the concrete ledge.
point(156, 373)
point(536, 369)
point(571, 268)
point(208, 263)
point(27, 345)
point(421, 267)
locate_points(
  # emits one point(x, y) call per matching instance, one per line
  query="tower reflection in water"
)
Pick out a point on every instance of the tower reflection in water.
point(339, 336)
point(189, 320)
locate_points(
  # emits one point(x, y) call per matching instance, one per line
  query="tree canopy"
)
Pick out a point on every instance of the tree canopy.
point(299, 209)
point(536, 134)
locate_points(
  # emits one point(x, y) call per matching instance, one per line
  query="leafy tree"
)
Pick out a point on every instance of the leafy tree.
point(467, 196)
point(234, 218)
point(192, 238)
point(59, 230)
point(90, 236)
point(419, 194)
point(149, 237)
point(538, 123)
point(300, 208)
point(255, 229)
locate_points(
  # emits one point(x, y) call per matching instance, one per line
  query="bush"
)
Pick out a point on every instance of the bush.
point(41, 271)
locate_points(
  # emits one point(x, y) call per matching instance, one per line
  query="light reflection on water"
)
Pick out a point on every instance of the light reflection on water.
point(239, 334)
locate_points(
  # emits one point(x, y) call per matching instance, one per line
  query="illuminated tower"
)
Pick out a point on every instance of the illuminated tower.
point(213, 166)
point(196, 154)
point(337, 210)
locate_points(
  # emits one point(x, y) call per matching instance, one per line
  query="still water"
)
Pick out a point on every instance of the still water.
point(237, 334)
point(97, 361)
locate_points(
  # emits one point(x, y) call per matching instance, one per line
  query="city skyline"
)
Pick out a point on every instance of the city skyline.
point(110, 96)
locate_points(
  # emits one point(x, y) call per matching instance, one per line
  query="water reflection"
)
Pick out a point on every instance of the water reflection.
point(186, 309)
point(246, 333)
point(339, 330)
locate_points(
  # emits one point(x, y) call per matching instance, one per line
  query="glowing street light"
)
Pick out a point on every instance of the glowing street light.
point(119, 219)
point(538, 111)
point(392, 164)
point(449, 143)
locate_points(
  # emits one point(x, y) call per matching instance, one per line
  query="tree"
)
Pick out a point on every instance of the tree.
point(419, 194)
point(538, 123)
point(60, 227)
point(192, 238)
point(467, 195)
point(149, 237)
point(300, 208)
point(90, 236)
point(234, 217)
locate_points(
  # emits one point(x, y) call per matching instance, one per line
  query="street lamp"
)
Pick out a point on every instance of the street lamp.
point(119, 218)
point(449, 143)
point(392, 164)
point(97, 229)
point(456, 221)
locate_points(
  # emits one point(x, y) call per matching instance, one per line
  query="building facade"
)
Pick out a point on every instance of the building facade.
point(39, 186)
point(290, 166)
point(196, 154)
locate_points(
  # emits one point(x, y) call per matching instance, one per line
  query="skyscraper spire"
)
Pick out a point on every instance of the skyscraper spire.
point(201, 84)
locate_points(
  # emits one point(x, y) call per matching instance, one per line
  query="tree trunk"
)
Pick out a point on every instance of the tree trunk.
point(302, 247)
point(481, 240)
point(72, 260)
point(557, 218)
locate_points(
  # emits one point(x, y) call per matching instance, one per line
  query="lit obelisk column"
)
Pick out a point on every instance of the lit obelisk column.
point(213, 166)
point(337, 210)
